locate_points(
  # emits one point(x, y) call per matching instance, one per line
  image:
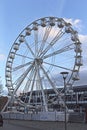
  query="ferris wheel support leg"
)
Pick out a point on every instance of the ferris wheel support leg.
point(40, 83)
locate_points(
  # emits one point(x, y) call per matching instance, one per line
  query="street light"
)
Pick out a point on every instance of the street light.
point(65, 74)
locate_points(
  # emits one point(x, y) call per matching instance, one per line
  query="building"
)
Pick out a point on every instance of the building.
point(76, 99)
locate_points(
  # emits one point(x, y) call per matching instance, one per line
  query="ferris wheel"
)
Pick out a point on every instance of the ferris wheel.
point(44, 49)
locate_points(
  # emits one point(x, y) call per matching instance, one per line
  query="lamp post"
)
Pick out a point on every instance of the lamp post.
point(65, 74)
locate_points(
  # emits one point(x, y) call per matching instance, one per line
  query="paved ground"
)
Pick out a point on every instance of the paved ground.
point(39, 125)
point(10, 125)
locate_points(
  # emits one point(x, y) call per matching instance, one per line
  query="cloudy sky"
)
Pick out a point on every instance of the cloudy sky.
point(15, 15)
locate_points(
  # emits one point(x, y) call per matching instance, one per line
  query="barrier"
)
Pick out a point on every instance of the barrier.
point(19, 116)
point(60, 116)
point(46, 116)
point(27, 117)
point(12, 115)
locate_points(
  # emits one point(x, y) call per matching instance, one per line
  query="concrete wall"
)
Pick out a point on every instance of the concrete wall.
point(43, 116)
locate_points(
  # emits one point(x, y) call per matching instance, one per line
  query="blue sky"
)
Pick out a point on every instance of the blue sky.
point(15, 15)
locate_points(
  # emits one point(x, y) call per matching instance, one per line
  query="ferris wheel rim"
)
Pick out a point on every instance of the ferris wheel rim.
point(38, 58)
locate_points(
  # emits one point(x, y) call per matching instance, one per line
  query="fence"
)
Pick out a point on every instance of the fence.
point(43, 116)
point(46, 116)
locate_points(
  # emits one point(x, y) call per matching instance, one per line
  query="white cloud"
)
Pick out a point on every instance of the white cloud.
point(77, 23)
point(83, 38)
point(2, 57)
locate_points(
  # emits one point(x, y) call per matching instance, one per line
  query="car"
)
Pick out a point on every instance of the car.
point(1, 121)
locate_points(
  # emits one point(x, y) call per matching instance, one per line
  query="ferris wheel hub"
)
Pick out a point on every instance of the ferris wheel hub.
point(38, 60)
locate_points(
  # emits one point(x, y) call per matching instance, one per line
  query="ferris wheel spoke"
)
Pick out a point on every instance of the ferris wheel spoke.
point(58, 66)
point(65, 49)
point(21, 66)
point(36, 41)
point(56, 38)
point(21, 78)
point(53, 86)
point(50, 81)
point(32, 85)
point(47, 32)
point(45, 37)
point(29, 48)
point(23, 56)
point(27, 85)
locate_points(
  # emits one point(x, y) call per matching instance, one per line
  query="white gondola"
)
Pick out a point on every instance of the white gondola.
point(12, 55)
point(78, 48)
point(11, 90)
point(69, 88)
point(8, 74)
point(68, 28)
point(8, 65)
point(51, 21)
point(74, 36)
point(28, 31)
point(35, 26)
point(21, 38)
point(8, 81)
point(8, 85)
point(60, 23)
point(16, 46)
point(43, 22)
point(79, 61)
point(77, 42)
point(75, 75)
